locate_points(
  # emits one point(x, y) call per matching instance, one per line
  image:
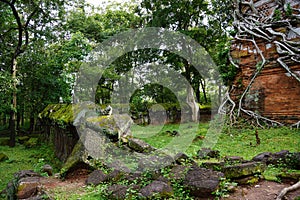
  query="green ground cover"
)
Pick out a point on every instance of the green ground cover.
point(232, 142)
point(21, 158)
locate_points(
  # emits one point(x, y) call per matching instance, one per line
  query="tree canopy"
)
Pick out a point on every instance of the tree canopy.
point(43, 43)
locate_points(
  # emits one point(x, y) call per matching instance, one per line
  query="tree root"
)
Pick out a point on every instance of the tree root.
point(288, 189)
point(252, 26)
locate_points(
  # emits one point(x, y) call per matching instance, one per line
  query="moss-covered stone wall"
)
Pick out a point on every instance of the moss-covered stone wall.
point(56, 121)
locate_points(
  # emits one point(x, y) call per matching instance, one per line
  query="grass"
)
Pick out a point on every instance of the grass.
point(243, 142)
point(238, 142)
point(21, 158)
point(233, 142)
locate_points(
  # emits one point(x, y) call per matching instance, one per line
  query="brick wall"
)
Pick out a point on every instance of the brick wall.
point(274, 93)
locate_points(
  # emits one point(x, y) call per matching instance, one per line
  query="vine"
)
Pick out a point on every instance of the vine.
point(253, 24)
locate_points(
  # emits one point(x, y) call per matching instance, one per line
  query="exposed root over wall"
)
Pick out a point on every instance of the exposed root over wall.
point(268, 37)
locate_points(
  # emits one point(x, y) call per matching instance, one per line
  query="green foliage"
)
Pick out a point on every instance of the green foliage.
point(224, 188)
point(271, 173)
point(21, 158)
point(100, 26)
point(292, 161)
point(289, 10)
point(277, 15)
point(6, 88)
point(226, 70)
point(23, 24)
point(38, 167)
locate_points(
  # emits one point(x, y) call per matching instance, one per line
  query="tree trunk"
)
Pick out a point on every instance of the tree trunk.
point(202, 83)
point(198, 93)
point(192, 103)
point(13, 111)
point(18, 121)
point(31, 122)
point(22, 118)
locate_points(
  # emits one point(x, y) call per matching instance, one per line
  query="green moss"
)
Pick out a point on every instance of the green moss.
point(74, 160)
point(3, 157)
point(21, 158)
point(32, 142)
point(107, 124)
point(23, 139)
point(60, 113)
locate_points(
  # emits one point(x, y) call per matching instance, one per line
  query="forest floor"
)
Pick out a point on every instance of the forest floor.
point(233, 142)
point(74, 187)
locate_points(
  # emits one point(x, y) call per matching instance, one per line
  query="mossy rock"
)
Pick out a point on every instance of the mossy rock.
point(250, 180)
point(104, 124)
point(75, 158)
point(295, 175)
point(23, 139)
point(4, 142)
point(32, 142)
point(64, 113)
point(243, 170)
point(157, 189)
point(59, 113)
point(3, 157)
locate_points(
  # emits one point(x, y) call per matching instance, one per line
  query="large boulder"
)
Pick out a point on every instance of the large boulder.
point(96, 177)
point(120, 192)
point(76, 160)
point(158, 189)
point(271, 158)
point(115, 127)
point(243, 170)
point(105, 125)
point(93, 146)
point(202, 182)
point(25, 184)
point(139, 145)
point(206, 153)
point(28, 187)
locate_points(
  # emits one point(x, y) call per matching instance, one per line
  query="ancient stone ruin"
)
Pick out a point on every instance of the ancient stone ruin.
point(266, 51)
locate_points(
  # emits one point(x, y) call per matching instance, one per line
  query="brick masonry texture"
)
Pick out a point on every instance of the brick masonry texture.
point(275, 93)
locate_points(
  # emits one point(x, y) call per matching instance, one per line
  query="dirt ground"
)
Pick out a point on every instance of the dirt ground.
point(263, 190)
point(73, 184)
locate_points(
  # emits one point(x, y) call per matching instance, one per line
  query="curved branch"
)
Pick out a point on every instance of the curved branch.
point(257, 25)
point(280, 60)
point(288, 189)
point(20, 27)
point(259, 68)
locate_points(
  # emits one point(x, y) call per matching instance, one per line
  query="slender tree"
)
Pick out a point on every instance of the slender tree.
point(24, 22)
